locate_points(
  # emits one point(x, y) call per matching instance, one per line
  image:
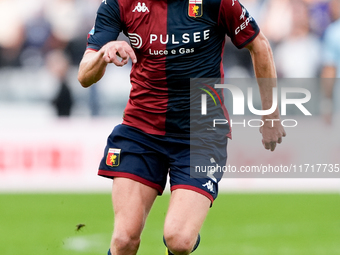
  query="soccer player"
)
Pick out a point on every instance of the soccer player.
point(171, 42)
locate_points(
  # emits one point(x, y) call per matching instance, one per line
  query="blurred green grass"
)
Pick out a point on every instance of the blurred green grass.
point(237, 224)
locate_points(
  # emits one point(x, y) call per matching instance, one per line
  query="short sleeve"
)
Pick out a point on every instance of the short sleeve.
point(237, 23)
point(107, 26)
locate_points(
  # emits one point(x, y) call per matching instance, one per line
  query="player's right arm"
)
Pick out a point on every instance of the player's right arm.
point(93, 65)
point(103, 47)
point(92, 68)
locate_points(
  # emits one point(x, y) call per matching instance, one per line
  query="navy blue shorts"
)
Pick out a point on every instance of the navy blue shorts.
point(149, 159)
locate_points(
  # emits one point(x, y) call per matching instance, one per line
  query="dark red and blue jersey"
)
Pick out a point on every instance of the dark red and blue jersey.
point(174, 40)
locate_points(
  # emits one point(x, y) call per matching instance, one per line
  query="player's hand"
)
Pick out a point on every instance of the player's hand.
point(272, 133)
point(118, 53)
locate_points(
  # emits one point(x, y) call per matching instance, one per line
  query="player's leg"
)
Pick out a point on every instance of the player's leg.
point(139, 170)
point(132, 202)
point(192, 193)
point(186, 214)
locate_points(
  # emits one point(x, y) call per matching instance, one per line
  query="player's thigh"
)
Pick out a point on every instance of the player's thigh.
point(132, 202)
point(186, 214)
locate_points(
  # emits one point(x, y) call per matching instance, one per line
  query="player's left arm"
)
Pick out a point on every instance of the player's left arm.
point(265, 72)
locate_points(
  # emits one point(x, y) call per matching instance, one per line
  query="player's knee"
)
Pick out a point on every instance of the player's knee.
point(179, 243)
point(125, 242)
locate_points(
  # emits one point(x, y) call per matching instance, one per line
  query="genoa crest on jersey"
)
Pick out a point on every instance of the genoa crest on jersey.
point(113, 157)
point(195, 8)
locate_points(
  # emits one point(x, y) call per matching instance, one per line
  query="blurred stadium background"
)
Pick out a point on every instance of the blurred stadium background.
point(53, 131)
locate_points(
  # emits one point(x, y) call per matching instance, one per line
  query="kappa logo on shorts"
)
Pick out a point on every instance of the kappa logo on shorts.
point(210, 186)
point(113, 157)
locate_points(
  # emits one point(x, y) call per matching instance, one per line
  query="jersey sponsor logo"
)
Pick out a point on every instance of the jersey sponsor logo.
point(195, 8)
point(195, 37)
point(190, 39)
point(244, 25)
point(135, 40)
point(113, 157)
point(141, 7)
point(210, 186)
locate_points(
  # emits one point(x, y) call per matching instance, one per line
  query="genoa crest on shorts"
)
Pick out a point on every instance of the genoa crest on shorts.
point(113, 157)
point(195, 8)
